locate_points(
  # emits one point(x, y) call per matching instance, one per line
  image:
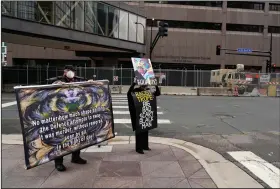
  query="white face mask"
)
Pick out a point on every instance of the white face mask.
point(70, 74)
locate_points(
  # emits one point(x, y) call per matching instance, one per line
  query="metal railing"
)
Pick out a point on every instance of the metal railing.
point(27, 75)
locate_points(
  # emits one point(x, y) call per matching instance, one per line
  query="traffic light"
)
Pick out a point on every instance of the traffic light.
point(218, 50)
point(268, 66)
point(163, 29)
point(273, 69)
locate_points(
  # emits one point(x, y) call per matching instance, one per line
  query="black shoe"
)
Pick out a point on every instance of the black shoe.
point(148, 149)
point(79, 161)
point(60, 167)
point(140, 151)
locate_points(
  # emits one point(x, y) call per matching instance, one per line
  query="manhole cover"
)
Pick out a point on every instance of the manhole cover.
point(223, 116)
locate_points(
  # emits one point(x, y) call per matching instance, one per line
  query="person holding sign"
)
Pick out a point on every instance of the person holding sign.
point(69, 77)
point(143, 113)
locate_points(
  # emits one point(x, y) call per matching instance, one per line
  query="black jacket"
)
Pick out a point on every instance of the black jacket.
point(131, 106)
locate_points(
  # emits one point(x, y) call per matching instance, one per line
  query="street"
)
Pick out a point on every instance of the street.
point(223, 124)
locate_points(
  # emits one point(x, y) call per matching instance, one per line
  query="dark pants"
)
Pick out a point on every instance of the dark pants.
point(142, 140)
point(75, 155)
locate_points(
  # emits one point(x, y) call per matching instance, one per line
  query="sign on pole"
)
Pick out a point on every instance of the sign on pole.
point(265, 78)
point(244, 50)
point(116, 78)
point(59, 119)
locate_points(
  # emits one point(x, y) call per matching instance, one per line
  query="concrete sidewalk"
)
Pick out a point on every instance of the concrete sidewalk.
point(164, 166)
point(172, 163)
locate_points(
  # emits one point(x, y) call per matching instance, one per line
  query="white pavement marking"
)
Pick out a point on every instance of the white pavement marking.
point(9, 104)
point(124, 107)
point(261, 168)
point(120, 96)
point(119, 103)
point(127, 113)
point(117, 100)
point(160, 121)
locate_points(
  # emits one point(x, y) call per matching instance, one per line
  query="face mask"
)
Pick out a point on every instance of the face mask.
point(70, 74)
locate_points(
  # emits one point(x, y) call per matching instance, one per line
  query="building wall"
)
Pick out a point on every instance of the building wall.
point(32, 52)
point(198, 46)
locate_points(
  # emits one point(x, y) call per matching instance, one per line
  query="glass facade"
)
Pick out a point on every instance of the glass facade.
point(88, 16)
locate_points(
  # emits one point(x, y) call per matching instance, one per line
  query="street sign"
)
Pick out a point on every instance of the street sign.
point(244, 50)
point(116, 78)
point(265, 78)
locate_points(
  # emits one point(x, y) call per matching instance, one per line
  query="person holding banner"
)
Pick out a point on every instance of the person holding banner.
point(69, 77)
point(143, 113)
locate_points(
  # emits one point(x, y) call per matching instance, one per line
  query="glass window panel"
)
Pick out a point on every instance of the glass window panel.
point(132, 27)
point(273, 29)
point(123, 28)
point(79, 16)
point(63, 14)
point(245, 5)
point(140, 29)
point(90, 16)
point(26, 10)
point(274, 7)
point(113, 22)
point(245, 28)
point(102, 13)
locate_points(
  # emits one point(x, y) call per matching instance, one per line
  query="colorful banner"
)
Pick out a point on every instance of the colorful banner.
point(59, 119)
point(146, 110)
point(144, 71)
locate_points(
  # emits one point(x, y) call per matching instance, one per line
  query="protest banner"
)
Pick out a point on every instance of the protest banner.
point(143, 71)
point(146, 110)
point(61, 118)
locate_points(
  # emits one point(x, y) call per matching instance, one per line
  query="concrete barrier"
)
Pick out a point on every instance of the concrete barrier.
point(213, 91)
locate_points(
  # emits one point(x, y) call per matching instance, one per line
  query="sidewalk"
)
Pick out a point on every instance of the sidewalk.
point(172, 163)
point(164, 166)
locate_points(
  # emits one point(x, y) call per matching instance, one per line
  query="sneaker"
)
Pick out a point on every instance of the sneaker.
point(79, 161)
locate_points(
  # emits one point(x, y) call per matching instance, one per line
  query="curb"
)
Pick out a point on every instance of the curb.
point(224, 173)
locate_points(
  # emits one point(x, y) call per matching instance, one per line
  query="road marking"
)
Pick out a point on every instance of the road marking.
point(127, 113)
point(9, 104)
point(124, 107)
point(261, 168)
point(117, 100)
point(160, 121)
point(119, 103)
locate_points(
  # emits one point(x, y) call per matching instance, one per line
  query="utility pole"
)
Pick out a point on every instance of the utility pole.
point(250, 52)
point(151, 40)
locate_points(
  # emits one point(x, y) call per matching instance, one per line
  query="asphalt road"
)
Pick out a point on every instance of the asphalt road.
point(221, 123)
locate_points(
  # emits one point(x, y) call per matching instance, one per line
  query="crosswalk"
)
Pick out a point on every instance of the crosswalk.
point(121, 111)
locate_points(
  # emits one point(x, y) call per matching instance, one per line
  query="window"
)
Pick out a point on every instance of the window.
point(113, 22)
point(192, 3)
point(140, 29)
point(273, 29)
point(90, 18)
point(244, 28)
point(102, 13)
point(245, 5)
point(64, 17)
point(123, 28)
point(274, 7)
point(132, 27)
point(190, 25)
point(213, 74)
point(26, 10)
point(3, 50)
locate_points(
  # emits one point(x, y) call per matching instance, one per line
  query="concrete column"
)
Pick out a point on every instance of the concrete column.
point(224, 23)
